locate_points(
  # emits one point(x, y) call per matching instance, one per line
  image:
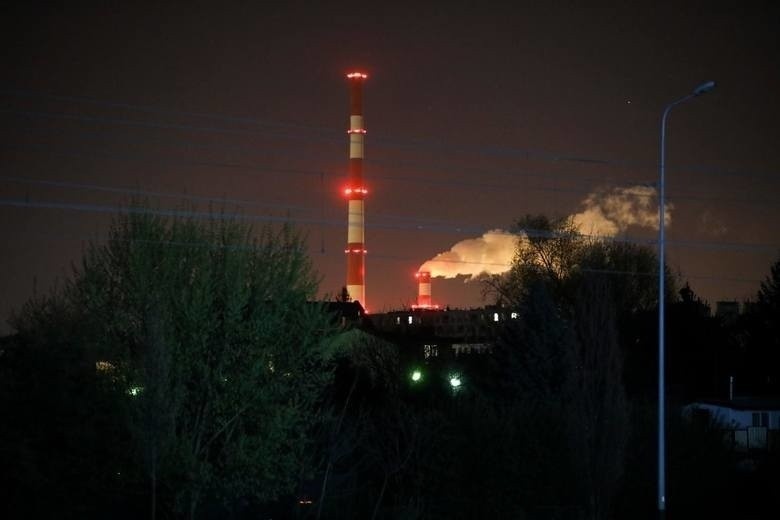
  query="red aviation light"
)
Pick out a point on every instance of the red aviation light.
point(350, 191)
point(357, 131)
point(357, 75)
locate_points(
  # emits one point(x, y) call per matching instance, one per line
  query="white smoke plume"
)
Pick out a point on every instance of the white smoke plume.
point(611, 211)
point(606, 213)
point(492, 253)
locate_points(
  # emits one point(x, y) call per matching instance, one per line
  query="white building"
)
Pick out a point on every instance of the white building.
point(749, 423)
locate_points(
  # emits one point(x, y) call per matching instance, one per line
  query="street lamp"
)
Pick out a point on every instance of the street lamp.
point(698, 91)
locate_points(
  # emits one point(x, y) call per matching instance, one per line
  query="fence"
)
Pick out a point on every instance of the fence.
point(753, 438)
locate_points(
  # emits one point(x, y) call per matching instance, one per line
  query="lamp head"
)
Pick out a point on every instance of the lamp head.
point(704, 88)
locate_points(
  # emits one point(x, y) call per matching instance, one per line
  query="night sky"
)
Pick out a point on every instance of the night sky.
point(476, 115)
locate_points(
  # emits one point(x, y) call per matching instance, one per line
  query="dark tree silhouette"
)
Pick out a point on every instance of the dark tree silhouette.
point(211, 339)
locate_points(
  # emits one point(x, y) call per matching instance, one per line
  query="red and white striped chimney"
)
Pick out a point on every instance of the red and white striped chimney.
point(355, 193)
point(423, 289)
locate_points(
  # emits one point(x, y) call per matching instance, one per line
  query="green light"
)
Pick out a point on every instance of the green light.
point(416, 376)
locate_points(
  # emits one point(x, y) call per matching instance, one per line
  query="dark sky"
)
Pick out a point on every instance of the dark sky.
point(476, 115)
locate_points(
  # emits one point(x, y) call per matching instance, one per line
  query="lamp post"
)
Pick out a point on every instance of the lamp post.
point(698, 91)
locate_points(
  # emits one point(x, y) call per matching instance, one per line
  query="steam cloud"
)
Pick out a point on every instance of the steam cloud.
point(492, 253)
point(611, 211)
point(607, 212)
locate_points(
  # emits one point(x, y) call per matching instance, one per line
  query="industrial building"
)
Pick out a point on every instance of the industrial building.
point(443, 332)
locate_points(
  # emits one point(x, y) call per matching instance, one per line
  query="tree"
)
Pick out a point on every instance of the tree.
point(63, 445)
point(343, 295)
point(600, 427)
point(547, 252)
point(632, 272)
point(554, 252)
point(769, 293)
point(535, 380)
point(563, 353)
point(763, 330)
point(213, 339)
point(697, 350)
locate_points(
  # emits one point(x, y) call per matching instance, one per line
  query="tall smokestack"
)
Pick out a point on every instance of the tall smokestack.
point(423, 289)
point(355, 193)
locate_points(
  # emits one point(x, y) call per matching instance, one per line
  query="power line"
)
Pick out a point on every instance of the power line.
point(427, 145)
point(393, 258)
point(450, 183)
point(417, 179)
point(427, 223)
point(142, 124)
point(147, 193)
point(472, 171)
point(161, 110)
point(469, 230)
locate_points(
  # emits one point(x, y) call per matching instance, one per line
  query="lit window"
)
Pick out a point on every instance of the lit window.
point(495, 316)
point(410, 319)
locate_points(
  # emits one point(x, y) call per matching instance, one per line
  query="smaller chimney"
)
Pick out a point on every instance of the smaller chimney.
point(424, 289)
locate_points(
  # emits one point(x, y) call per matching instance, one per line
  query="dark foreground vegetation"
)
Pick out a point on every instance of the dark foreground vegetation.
point(184, 372)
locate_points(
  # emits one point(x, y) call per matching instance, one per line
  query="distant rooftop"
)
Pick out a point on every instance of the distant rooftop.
point(744, 403)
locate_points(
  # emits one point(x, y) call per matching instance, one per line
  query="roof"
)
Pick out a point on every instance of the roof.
point(349, 310)
point(744, 403)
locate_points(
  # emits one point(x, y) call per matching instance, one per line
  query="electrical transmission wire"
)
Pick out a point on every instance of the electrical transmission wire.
point(393, 164)
point(137, 192)
point(162, 110)
point(426, 145)
point(414, 223)
point(449, 183)
point(465, 230)
point(385, 257)
point(312, 134)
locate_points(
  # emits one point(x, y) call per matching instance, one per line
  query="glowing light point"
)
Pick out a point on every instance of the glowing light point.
point(416, 376)
point(455, 381)
point(350, 191)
